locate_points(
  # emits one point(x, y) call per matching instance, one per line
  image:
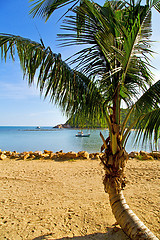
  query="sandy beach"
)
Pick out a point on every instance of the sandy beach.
point(46, 199)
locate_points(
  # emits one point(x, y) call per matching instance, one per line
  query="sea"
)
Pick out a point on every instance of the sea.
point(26, 138)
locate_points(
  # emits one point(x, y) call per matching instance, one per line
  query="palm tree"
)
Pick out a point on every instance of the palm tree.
point(112, 67)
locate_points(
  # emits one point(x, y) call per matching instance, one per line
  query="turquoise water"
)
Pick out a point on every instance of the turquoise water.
point(29, 139)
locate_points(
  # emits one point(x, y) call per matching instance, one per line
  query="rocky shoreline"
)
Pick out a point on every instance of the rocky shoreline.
point(60, 155)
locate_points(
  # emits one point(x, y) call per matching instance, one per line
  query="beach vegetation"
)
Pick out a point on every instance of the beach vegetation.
point(112, 68)
point(76, 122)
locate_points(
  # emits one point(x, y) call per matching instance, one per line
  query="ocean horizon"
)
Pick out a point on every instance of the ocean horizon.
point(29, 138)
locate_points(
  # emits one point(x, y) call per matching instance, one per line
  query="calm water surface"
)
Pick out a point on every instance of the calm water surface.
point(29, 139)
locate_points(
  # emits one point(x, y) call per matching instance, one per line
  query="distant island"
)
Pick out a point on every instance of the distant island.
point(65, 125)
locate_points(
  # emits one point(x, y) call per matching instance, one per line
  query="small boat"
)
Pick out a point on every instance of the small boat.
point(38, 127)
point(81, 134)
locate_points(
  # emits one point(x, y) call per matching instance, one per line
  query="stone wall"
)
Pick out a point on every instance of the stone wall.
point(48, 155)
point(142, 155)
point(60, 155)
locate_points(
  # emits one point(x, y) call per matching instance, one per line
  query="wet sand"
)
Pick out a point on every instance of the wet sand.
point(44, 199)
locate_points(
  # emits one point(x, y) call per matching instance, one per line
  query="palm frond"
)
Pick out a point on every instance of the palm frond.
point(155, 4)
point(95, 31)
point(70, 89)
point(148, 128)
point(145, 115)
point(45, 8)
point(149, 100)
point(114, 49)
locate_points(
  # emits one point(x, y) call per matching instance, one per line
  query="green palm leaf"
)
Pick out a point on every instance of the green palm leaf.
point(149, 100)
point(70, 89)
point(148, 106)
point(144, 111)
point(149, 128)
point(45, 8)
point(109, 40)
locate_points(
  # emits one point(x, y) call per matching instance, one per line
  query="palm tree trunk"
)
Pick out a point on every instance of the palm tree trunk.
point(114, 183)
point(125, 217)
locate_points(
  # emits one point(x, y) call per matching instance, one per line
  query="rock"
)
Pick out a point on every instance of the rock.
point(155, 155)
point(71, 155)
point(53, 156)
point(98, 155)
point(47, 152)
point(2, 156)
point(27, 155)
point(91, 155)
point(15, 155)
point(21, 155)
point(8, 153)
point(83, 154)
point(145, 156)
point(95, 155)
point(101, 154)
point(45, 155)
point(143, 153)
point(133, 154)
point(58, 126)
point(60, 154)
point(31, 155)
point(37, 154)
point(62, 126)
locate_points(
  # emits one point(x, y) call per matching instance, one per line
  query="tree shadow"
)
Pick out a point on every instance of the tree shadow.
point(114, 233)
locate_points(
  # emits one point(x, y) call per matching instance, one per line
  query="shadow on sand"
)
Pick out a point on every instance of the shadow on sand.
point(114, 233)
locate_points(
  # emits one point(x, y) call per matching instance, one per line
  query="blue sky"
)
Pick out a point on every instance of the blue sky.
point(20, 104)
